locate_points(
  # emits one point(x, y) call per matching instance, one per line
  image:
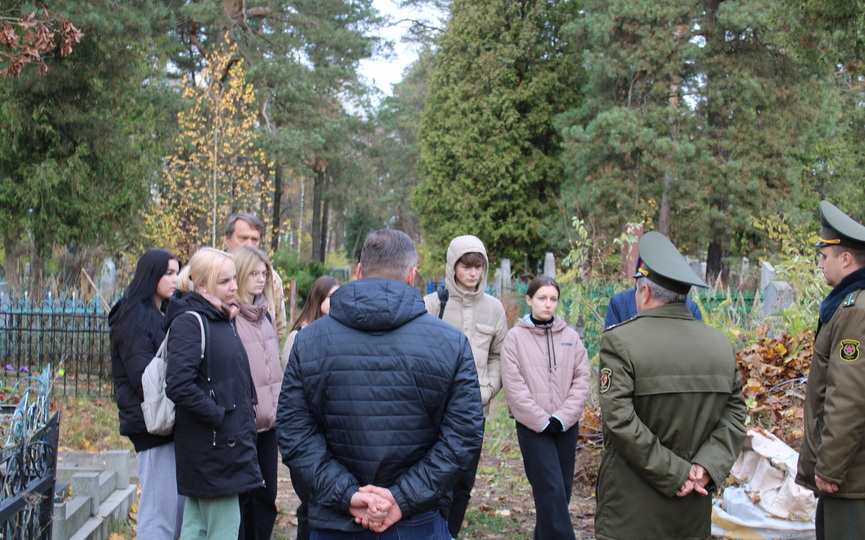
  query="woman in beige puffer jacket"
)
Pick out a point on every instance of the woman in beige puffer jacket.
point(545, 372)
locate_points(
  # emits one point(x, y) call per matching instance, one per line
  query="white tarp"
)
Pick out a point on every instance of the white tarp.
point(769, 503)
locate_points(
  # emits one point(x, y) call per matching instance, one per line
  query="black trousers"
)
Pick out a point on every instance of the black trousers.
point(549, 461)
point(462, 493)
point(258, 507)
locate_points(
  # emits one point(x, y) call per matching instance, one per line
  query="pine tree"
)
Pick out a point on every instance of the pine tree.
point(693, 125)
point(489, 149)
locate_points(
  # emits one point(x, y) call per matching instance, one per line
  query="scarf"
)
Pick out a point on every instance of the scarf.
point(849, 284)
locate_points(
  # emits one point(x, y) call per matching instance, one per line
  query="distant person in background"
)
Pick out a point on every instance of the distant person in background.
point(465, 305)
point(246, 230)
point(623, 305)
point(136, 333)
point(213, 397)
point(545, 370)
point(316, 306)
point(256, 330)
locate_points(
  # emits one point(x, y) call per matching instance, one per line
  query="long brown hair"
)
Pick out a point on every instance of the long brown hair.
point(312, 306)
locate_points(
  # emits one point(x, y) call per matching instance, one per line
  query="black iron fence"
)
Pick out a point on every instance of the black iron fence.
point(28, 459)
point(71, 336)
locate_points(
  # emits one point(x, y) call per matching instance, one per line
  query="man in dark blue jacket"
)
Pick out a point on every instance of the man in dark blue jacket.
point(380, 409)
point(623, 306)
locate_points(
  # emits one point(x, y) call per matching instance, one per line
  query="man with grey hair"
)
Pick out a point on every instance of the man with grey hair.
point(380, 399)
point(246, 230)
point(672, 408)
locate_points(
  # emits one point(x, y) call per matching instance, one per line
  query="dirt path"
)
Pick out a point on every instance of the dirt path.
point(501, 505)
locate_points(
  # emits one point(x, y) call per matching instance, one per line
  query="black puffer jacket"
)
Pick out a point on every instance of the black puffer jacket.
point(214, 434)
point(133, 345)
point(378, 393)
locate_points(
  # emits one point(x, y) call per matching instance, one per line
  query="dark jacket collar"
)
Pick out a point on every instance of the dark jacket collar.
point(853, 282)
point(676, 310)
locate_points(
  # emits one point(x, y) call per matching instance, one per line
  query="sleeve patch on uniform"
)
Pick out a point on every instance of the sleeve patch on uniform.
point(849, 350)
point(607, 378)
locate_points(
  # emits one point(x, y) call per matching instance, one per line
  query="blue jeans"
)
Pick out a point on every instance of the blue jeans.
point(426, 526)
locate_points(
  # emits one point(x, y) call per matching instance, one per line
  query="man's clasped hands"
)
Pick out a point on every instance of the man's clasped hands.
point(375, 508)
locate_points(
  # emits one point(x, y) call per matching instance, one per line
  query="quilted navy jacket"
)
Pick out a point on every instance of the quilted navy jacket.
point(378, 393)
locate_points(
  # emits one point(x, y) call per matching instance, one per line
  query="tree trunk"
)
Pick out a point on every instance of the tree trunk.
point(277, 209)
point(719, 228)
point(317, 199)
point(323, 235)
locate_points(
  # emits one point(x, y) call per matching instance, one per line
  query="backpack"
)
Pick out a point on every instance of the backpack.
point(443, 301)
point(157, 408)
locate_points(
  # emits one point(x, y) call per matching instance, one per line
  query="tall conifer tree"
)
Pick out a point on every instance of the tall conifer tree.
point(490, 152)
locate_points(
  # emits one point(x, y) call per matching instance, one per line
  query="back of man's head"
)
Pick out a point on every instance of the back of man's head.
point(389, 254)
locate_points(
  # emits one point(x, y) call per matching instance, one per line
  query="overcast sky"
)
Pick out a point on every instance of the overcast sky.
point(385, 72)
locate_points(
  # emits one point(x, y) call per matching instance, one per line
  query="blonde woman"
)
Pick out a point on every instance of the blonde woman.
point(214, 433)
point(258, 334)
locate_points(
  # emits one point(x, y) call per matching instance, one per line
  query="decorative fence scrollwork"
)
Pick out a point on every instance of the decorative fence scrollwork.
point(71, 335)
point(28, 459)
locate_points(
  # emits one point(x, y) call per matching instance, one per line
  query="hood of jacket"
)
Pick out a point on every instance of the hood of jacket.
point(460, 246)
point(376, 304)
point(182, 302)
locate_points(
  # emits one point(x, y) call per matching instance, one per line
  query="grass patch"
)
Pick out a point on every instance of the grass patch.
point(89, 425)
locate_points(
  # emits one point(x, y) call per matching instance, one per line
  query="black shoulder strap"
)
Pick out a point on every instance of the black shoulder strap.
point(443, 300)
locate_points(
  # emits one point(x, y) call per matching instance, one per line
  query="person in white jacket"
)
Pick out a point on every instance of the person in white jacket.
point(545, 372)
point(482, 319)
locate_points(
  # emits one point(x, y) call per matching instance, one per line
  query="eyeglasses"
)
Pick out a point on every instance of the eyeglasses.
point(256, 275)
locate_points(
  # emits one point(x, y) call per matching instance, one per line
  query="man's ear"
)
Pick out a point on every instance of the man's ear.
point(412, 274)
point(358, 273)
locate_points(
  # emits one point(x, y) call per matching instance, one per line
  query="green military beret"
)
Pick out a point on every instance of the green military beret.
point(663, 264)
point(839, 229)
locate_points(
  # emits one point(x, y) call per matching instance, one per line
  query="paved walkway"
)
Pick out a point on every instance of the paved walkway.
point(286, 500)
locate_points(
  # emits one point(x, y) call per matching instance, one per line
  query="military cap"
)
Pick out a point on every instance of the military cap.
point(663, 264)
point(839, 229)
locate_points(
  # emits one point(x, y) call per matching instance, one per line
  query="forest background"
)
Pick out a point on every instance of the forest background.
point(539, 126)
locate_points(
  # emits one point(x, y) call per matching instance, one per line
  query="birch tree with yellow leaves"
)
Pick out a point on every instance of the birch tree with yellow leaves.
point(217, 167)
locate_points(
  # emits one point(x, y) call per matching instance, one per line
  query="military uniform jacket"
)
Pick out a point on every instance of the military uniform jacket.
point(835, 404)
point(670, 396)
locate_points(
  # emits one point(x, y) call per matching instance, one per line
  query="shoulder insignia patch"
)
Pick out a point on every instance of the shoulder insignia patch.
point(851, 299)
point(849, 350)
point(606, 379)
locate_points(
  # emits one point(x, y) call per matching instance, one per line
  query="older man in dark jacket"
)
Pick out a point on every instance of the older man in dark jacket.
point(380, 409)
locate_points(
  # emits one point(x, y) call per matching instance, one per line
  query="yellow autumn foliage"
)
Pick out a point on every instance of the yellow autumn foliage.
point(216, 168)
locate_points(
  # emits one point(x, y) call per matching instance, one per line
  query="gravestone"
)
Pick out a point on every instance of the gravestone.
point(108, 279)
point(767, 275)
point(777, 297)
point(550, 265)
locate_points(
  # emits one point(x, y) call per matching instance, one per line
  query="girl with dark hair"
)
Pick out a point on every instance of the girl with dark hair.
point(258, 334)
point(317, 305)
point(136, 333)
point(545, 375)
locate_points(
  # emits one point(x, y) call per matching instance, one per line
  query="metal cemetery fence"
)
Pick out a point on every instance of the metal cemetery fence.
point(70, 335)
point(28, 459)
